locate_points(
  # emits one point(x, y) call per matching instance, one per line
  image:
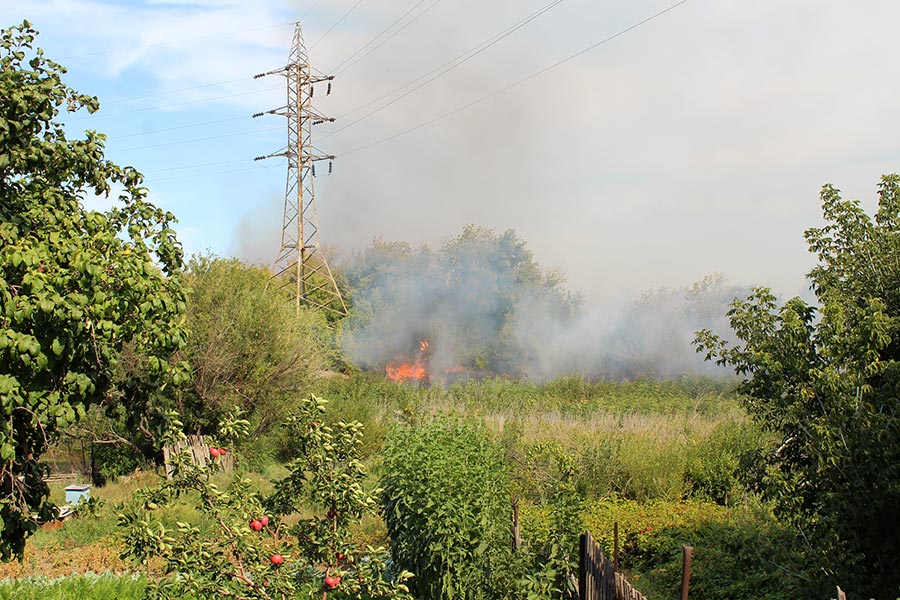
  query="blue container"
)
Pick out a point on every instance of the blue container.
point(77, 492)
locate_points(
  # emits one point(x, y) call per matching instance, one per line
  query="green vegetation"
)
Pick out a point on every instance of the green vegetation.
point(247, 349)
point(785, 485)
point(81, 587)
point(76, 286)
point(446, 506)
point(825, 380)
point(264, 546)
point(473, 293)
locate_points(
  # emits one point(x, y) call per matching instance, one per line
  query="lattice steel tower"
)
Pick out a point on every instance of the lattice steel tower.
point(301, 263)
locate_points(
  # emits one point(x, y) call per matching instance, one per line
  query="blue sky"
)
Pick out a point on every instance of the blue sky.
point(695, 143)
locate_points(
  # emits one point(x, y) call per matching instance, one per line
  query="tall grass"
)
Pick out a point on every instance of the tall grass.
point(645, 439)
point(80, 587)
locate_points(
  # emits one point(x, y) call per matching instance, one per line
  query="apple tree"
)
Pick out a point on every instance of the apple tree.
point(75, 285)
point(826, 379)
point(295, 542)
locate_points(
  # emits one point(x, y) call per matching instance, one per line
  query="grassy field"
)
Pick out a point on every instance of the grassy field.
point(659, 458)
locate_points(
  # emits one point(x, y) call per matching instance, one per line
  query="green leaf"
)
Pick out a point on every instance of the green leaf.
point(7, 451)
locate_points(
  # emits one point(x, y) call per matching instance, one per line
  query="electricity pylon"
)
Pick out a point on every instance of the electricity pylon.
point(300, 262)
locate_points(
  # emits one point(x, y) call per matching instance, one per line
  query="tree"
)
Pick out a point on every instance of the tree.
point(75, 285)
point(826, 379)
point(248, 347)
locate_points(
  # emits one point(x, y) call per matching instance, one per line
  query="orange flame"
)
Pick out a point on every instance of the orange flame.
point(409, 371)
point(405, 372)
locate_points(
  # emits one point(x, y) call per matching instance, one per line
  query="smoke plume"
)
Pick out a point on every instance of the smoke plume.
point(483, 306)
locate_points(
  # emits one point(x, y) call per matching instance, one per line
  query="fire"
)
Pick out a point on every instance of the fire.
point(405, 372)
point(414, 371)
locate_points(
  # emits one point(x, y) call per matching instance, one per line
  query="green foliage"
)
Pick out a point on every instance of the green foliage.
point(285, 544)
point(724, 463)
point(549, 556)
point(110, 461)
point(84, 587)
point(446, 504)
point(744, 557)
point(825, 379)
point(248, 347)
point(76, 286)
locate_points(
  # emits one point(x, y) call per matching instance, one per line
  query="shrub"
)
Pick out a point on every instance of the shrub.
point(743, 558)
point(446, 504)
point(293, 543)
point(725, 461)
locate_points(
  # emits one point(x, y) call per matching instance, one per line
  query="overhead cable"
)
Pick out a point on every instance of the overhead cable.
point(445, 68)
point(339, 21)
point(516, 83)
point(338, 71)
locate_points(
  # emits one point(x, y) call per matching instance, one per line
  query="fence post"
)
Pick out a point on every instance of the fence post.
point(686, 571)
point(582, 566)
point(515, 527)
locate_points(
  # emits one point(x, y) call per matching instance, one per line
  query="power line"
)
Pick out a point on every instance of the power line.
point(517, 83)
point(146, 108)
point(177, 128)
point(339, 21)
point(169, 42)
point(372, 41)
point(200, 165)
point(446, 67)
point(188, 141)
point(168, 92)
point(221, 172)
point(387, 39)
point(309, 10)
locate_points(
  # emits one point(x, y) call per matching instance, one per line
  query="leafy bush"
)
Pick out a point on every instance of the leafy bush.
point(446, 505)
point(743, 558)
point(548, 557)
point(824, 379)
point(109, 461)
point(725, 462)
point(295, 542)
point(248, 347)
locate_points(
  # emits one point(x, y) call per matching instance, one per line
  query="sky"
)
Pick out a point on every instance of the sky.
point(692, 143)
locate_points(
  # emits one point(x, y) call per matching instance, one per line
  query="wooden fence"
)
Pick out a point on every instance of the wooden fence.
point(598, 577)
point(199, 450)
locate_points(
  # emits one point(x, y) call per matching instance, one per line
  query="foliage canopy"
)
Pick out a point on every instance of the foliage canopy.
point(75, 285)
point(445, 502)
point(826, 379)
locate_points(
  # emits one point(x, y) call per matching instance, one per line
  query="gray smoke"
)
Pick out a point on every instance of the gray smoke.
point(485, 306)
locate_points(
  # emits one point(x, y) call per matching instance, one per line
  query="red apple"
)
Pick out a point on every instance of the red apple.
point(276, 559)
point(265, 521)
point(222, 451)
point(332, 581)
point(341, 556)
point(214, 452)
point(256, 525)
